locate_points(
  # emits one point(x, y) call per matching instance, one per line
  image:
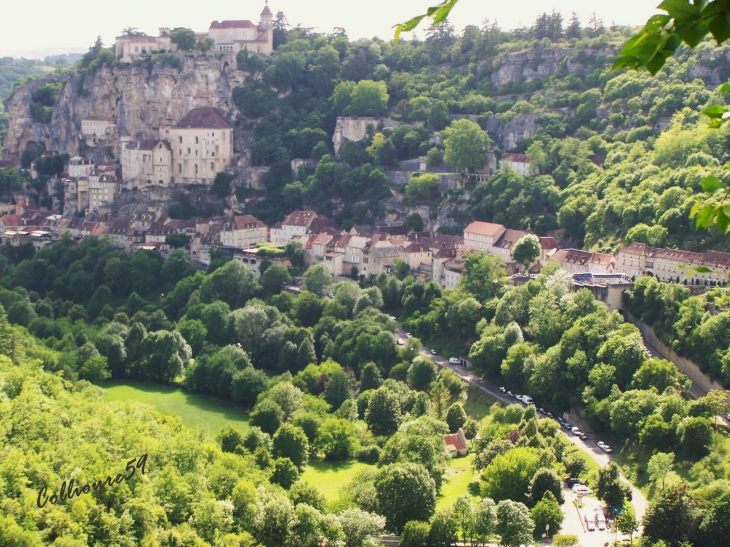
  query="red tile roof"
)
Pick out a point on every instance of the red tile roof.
point(454, 442)
point(245, 222)
point(203, 117)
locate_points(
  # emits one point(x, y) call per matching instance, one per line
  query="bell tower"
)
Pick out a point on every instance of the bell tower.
point(267, 24)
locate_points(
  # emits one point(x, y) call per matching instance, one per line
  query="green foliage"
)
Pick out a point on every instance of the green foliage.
point(466, 145)
point(183, 38)
point(405, 492)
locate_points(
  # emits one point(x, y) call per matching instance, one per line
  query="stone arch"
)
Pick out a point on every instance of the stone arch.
point(225, 68)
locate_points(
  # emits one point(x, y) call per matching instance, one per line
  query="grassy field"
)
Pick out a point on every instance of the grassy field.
point(459, 475)
point(330, 477)
point(199, 412)
point(477, 404)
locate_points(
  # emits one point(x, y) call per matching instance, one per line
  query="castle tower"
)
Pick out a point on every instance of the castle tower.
point(267, 24)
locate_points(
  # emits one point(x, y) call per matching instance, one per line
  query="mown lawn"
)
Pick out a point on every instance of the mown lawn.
point(478, 403)
point(330, 477)
point(199, 412)
point(457, 478)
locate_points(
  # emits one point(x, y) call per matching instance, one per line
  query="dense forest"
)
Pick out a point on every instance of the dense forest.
point(325, 381)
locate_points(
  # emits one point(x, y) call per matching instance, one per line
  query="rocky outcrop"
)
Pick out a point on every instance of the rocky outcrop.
point(140, 97)
point(525, 66)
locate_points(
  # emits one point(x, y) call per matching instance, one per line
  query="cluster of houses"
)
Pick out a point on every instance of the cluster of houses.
point(193, 150)
point(226, 36)
point(365, 250)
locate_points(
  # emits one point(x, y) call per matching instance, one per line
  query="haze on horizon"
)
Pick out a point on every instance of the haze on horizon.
point(37, 29)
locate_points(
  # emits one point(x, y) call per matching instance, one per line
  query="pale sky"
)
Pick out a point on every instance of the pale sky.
point(42, 27)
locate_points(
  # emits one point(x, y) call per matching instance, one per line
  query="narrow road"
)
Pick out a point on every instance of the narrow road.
point(638, 499)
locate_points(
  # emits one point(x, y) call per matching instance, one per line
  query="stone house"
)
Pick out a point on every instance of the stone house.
point(146, 162)
point(456, 443)
point(202, 146)
point(519, 163)
point(482, 235)
point(243, 231)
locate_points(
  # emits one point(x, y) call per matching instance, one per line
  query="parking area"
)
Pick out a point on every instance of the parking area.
point(574, 521)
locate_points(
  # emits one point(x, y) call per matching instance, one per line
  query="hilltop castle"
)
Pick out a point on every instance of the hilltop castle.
point(229, 36)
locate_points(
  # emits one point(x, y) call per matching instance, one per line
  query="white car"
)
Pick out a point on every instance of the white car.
point(409, 335)
point(575, 430)
point(453, 361)
point(400, 341)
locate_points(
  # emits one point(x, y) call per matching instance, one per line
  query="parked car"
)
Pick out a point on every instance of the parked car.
point(502, 389)
point(590, 524)
point(603, 446)
point(527, 400)
point(511, 394)
point(600, 519)
point(400, 341)
point(542, 410)
point(433, 351)
point(453, 360)
point(550, 414)
point(575, 430)
point(582, 436)
point(409, 335)
point(570, 482)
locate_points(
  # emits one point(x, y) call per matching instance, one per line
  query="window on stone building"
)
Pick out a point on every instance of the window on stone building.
point(179, 168)
point(180, 139)
point(212, 166)
point(196, 140)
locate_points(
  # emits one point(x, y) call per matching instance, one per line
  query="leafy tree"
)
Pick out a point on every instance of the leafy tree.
point(575, 465)
point(695, 436)
point(527, 250)
point(183, 38)
point(316, 279)
point(194, 333)
point(422, 189)
point(287, 396)
point(714, 527)
point(627, 524)
point(177, 241)
point(338, 389)
point(673, 517)
point(514, 525)
point(370, 377)
point(294, 251)
point(267, 415)
point(360, 526)
point(337, 439)
point(229, 438)
point(166, 354)
point(443, 531)
point(546, 480)
point(404, 492)
point(384, 412)
point(466, 145)
point(369, 98)
point(401, 268)
point(221, 186)
point(274, 277)
point(285, 473)
point(415, 534)
point(547, 513)
point(232, 283)
point(456, 417)
point(508, 476)
point(438, 116)
point(291, 442)
point(609, 488)
point(421, 373)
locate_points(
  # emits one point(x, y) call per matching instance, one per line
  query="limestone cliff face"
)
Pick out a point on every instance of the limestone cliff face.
point(140, 97)
point(525, 66)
